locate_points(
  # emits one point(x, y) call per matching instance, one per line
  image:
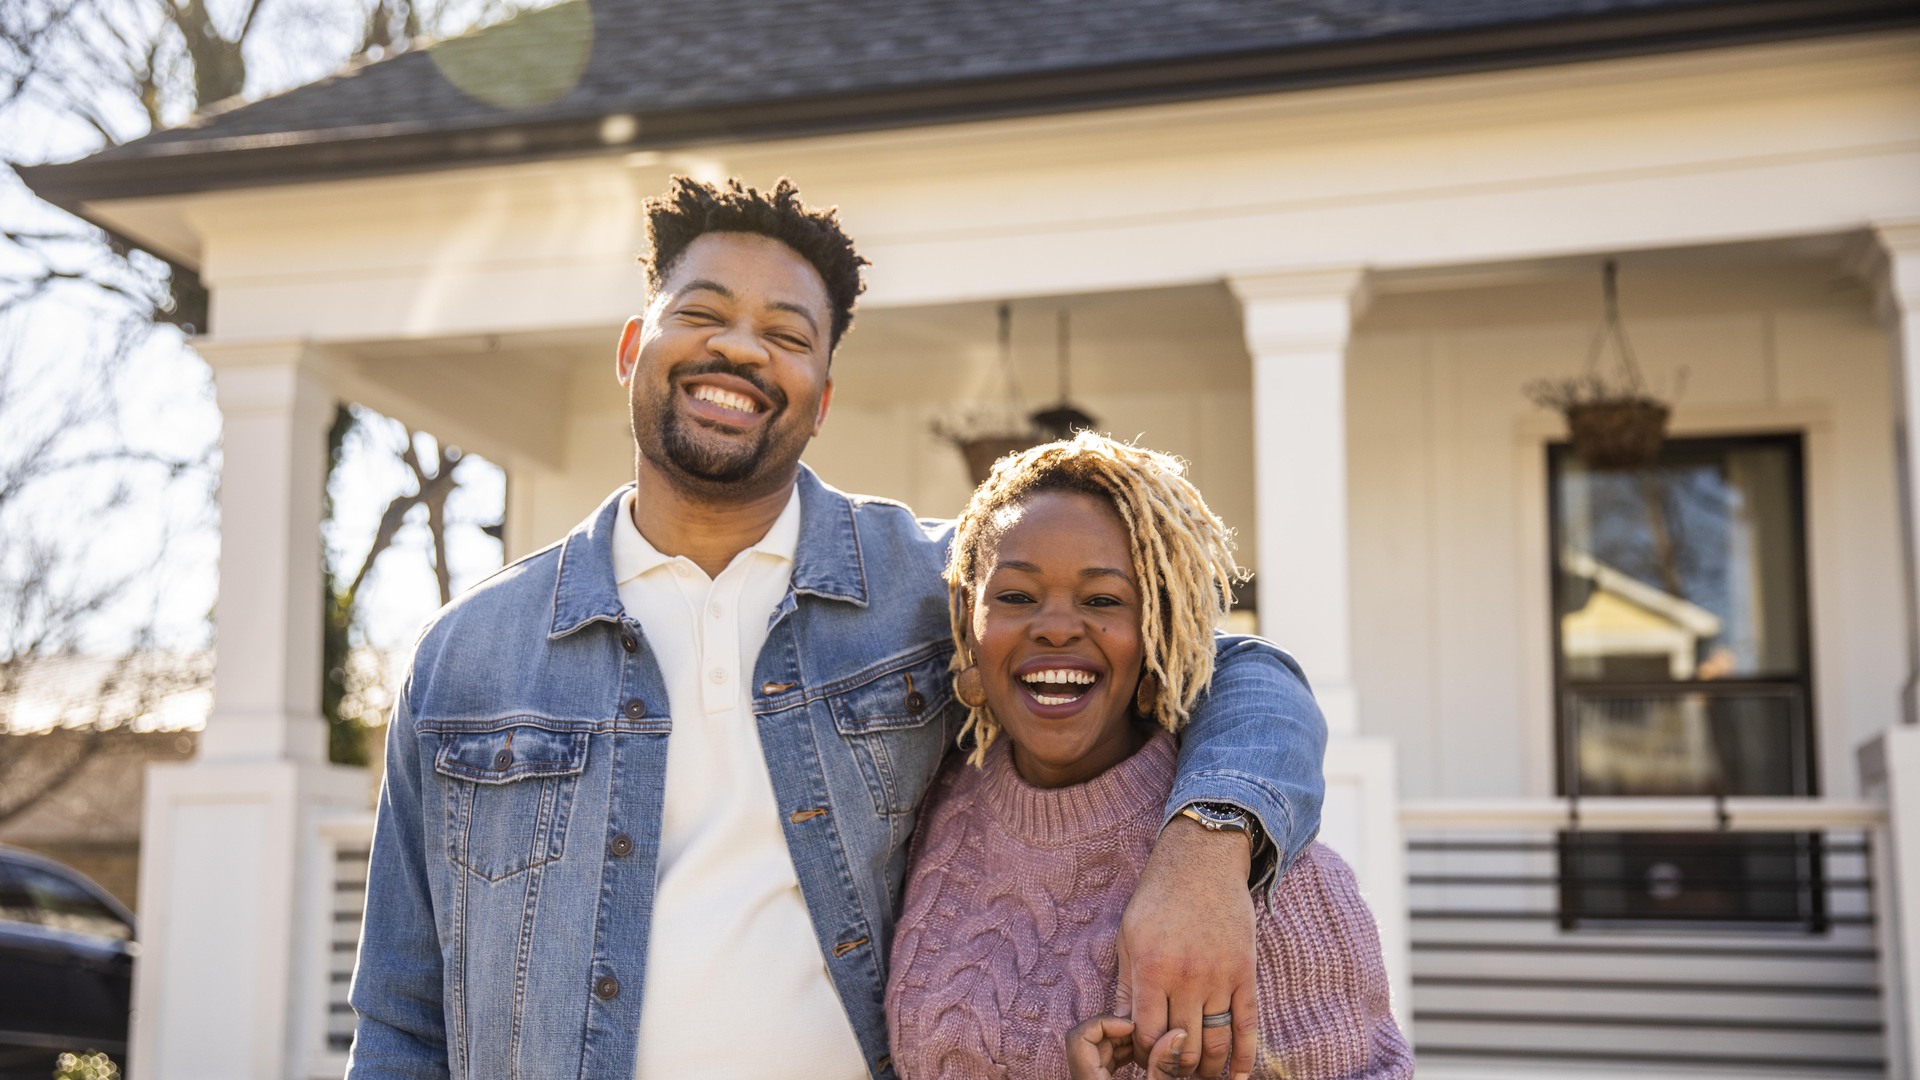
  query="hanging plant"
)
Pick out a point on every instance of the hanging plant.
point(1613, 422)
point(986, 433)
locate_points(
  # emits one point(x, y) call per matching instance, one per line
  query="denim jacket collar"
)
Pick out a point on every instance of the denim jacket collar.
point(828, 564)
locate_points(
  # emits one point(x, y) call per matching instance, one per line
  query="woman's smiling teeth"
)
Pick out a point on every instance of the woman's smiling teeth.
point(726, 399)
point(1058, 686)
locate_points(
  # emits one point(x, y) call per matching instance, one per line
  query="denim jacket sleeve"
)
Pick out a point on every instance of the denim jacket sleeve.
point(397, 983)
point(1257, 740)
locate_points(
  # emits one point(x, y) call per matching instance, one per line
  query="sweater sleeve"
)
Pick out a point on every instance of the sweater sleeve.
point(1324, 1008)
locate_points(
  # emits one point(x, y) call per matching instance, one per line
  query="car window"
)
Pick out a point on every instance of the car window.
point(15, 904)
point(64, 904)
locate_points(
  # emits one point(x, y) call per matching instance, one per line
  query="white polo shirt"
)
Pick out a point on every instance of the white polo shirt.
point(736, 984)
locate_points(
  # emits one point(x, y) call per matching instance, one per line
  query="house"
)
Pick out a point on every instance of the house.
point(92, 821)
point(77, 732)
point(1320, 248)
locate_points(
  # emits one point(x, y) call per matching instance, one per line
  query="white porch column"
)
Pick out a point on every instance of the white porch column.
point(1899, 289)
point(1297, 325)
point(232, 876)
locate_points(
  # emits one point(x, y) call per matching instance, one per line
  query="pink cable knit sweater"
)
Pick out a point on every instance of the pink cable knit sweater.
point(1007, 937)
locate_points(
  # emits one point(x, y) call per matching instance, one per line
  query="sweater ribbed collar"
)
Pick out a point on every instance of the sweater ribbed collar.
point(1055, 817)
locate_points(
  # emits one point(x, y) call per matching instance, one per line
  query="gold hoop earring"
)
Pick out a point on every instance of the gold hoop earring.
point(1146, 698)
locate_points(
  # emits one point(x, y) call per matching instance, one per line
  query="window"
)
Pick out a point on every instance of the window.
point(31, 894)
point(15, 904)
point(1681, 664)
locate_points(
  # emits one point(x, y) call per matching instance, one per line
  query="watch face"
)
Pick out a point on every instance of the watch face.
point(1215, 817)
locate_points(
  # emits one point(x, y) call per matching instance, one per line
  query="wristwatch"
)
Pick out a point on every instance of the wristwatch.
point(1224, 817)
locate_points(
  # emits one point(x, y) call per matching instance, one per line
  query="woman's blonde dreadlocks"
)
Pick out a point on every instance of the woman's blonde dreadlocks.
point(1182, 558)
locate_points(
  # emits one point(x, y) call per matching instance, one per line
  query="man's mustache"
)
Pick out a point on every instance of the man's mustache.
point(721, 366)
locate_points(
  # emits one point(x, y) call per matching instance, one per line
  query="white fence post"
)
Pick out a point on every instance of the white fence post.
point(1361, 821)
point(1890, 767)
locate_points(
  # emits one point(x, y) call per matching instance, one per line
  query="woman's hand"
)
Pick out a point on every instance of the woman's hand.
point(1097, 1047)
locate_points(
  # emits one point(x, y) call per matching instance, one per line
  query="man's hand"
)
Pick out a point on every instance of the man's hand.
point(1186, 949)
point(1098, 1047)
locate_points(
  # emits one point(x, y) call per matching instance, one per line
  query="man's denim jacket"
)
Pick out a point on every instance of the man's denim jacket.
point(514, 860)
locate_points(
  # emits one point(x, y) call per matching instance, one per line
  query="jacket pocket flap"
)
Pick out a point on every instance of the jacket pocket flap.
point(904, 696)
point(511, 753)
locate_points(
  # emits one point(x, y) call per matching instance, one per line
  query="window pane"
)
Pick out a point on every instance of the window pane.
point(1687, 569)
point(15, 904)
point(1678, 743)
point(65, 905)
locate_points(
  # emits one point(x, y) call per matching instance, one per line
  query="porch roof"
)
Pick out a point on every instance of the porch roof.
point(664, 73)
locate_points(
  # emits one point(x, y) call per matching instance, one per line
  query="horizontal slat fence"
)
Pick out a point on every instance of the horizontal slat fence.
point(1511, 969)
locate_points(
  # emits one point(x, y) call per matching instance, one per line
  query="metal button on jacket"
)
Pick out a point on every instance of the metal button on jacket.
point(636, 709)
point(606, 988)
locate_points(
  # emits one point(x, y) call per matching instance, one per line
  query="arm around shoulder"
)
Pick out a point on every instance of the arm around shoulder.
point(1257, 740)
point(397, 979)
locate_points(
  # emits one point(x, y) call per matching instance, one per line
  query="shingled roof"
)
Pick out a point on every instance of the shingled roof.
point(592, 75)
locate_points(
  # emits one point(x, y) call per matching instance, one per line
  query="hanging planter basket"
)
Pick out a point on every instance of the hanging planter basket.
point(982, 452)
point(988, 435)
point(1624, 433)
point(1612, 423)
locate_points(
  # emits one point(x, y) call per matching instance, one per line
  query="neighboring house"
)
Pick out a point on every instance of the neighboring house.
point(77, 732)
point(1626, 621)
point(1319, 248)
point(91, 822)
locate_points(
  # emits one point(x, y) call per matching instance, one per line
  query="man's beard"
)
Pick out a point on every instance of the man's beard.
point(706, 458)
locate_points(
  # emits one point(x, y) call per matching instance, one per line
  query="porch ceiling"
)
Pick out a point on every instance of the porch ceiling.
point(1119, 343)
point(1692, 279)
point(508, 397)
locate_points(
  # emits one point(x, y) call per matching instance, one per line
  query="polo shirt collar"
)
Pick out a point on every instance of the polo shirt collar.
point(635, 556)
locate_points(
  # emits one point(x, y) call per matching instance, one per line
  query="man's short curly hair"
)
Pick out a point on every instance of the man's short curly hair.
point(690, 209)
point(1182, 559)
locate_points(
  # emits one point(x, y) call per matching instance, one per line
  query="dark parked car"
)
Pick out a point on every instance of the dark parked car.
point(66, 966)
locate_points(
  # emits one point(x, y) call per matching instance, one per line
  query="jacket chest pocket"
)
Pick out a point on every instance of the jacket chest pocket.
point(509, 794)
point(892, 724)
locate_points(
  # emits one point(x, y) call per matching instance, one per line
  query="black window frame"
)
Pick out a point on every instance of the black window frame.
point(1801, 686)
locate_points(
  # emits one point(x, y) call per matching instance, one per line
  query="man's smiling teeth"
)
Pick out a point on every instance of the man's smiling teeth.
point(1058, 678)
point(726, 399)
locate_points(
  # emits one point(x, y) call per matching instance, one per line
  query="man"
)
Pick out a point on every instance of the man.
point(649, 790)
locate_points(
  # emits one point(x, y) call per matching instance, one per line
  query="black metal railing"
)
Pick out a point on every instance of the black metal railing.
point(1501, 972)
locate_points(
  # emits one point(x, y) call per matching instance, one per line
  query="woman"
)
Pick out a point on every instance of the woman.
point(1086, 580)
